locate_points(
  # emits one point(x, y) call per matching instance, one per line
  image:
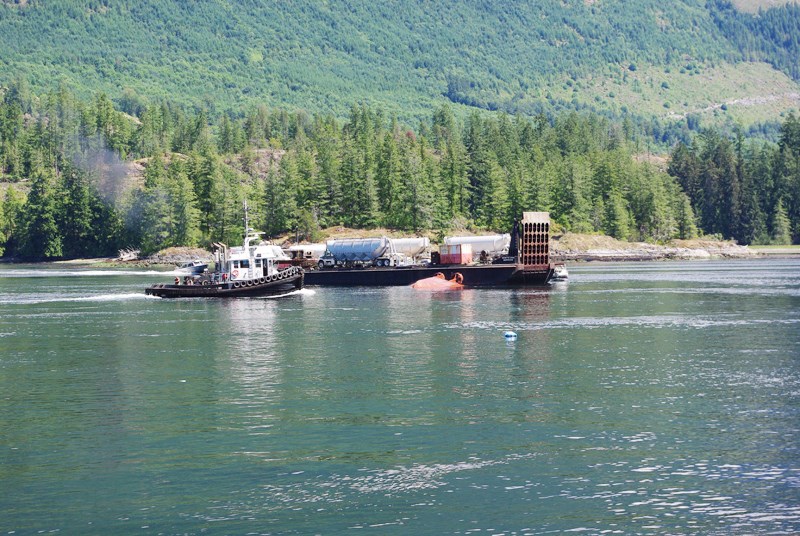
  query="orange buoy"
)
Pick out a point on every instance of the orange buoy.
point(438, 282)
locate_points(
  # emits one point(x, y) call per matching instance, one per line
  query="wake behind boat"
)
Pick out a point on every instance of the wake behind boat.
point(250, 270)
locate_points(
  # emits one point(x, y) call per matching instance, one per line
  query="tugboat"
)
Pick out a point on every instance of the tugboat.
point(250, 270)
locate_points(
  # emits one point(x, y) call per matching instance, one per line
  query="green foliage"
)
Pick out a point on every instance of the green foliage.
point(772, 35)
point(748, 193)
point(10, 216)
point(300, 173)
point(407, 57)
point(781, 233)
point(40, 234)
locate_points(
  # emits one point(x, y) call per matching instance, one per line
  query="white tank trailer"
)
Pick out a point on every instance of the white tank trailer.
point(411, 247)
point(492, 245)
point(381, 251)
point(307, 251)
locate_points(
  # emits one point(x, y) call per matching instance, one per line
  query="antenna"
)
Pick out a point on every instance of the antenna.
point(246, 222)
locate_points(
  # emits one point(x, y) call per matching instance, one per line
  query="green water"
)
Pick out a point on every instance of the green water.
point(637, 399)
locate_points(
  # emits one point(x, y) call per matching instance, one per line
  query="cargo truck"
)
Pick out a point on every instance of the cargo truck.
point(363, 252)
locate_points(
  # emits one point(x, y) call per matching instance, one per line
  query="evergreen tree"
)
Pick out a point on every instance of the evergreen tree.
point(388, 181)
point(75, 217)
point(205, 174)
point(415, 196)
point(153, 209)
point(227, 218)
point(781, 231)
point(150, 137)
point(494, 211)
point(280, 198)
point(617, 219)
point(359, 196)
point(685, 220)
point(311, 192)
point(183, 205)
point(685, 166)
point(454, 179)
point(788, 168)
point(12, 210)
point(571, 204)
point(41, 238)
point(327, 140)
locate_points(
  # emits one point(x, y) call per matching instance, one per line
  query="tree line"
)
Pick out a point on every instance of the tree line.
point(746, 191)
point(82, 178)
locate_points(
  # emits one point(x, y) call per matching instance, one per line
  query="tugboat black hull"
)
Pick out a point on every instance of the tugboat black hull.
point(493, 275)
point(279, 283)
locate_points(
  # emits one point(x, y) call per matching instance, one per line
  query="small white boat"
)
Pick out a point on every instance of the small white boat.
point(192, 267)
point(560, 273)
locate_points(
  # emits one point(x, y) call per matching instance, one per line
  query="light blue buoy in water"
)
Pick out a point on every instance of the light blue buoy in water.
point(510, 336)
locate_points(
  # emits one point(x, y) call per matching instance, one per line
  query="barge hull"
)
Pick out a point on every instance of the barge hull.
point(495, 275)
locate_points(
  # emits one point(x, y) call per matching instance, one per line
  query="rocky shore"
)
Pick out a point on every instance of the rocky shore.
point(578, 247)
point(566, 247)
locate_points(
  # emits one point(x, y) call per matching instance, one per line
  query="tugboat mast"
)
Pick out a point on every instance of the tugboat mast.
point(246, 220)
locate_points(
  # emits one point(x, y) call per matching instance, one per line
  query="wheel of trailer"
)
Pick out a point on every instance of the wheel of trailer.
point(321, 264)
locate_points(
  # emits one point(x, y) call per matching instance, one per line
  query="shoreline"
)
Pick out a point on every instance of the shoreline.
point(566, 248)
point(570, 247)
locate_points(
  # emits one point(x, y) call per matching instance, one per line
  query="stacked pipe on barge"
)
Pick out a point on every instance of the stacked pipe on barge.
point(525, 263)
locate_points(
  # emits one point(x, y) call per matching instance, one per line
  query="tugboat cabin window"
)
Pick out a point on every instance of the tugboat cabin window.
point(258, 263)
point(244, 264)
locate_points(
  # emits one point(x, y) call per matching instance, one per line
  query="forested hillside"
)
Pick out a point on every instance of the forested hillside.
point(650, 61)
point(84, 179)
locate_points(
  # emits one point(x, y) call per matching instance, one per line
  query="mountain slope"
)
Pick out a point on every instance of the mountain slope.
point(402, 55)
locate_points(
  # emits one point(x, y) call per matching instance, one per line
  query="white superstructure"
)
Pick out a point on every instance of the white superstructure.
point(250, 261)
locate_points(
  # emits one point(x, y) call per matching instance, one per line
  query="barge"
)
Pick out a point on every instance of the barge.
point(527, 263)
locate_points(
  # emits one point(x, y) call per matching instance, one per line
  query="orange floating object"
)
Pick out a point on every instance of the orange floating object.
point(438, 282)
